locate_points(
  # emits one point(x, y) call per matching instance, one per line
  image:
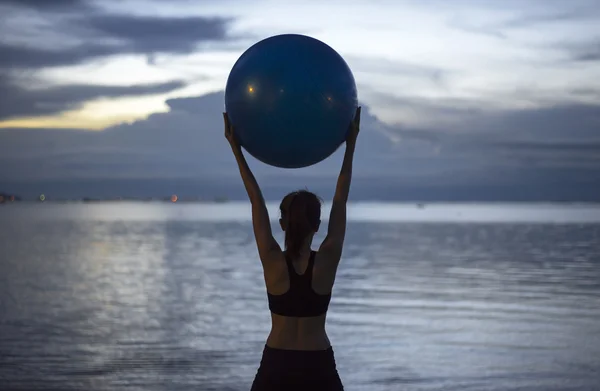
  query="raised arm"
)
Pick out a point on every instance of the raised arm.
point(266, 243)
point(336, 231)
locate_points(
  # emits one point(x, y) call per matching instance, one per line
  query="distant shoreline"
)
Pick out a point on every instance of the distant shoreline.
point(417, 204)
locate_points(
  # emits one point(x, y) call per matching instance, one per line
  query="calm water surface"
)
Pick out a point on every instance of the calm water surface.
point(134, 296)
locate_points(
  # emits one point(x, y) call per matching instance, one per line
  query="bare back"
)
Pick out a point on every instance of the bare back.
point(299, 333)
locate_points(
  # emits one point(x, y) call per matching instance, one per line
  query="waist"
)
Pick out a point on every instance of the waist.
point(290, 333)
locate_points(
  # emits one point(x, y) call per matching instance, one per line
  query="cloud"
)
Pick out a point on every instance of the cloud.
point(475, 142)
point(525, 16)
point(45, 4)
point(149, 34)
point(76, 32)
point(35, 35)
point(505, 152)
point(587, 92)
point(16, 101)
point(456, 116)
point(481, 146)
point(563, 122)
point(426, 113)
point(196, 134)
point(374, 65)
point(586, 53)
point(548, 154)
point(186, 142)
point(466, 26)
point(19, 57)
point(574, 12)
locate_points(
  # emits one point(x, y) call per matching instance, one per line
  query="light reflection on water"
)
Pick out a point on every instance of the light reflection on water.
point(170, 297)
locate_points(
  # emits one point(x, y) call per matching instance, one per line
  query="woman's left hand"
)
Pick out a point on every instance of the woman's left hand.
point(229, 133)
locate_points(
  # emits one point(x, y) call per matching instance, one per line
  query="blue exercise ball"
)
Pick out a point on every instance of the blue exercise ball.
point(291, 100)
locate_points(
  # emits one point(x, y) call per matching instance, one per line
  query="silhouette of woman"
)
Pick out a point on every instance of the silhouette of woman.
point(298, 354)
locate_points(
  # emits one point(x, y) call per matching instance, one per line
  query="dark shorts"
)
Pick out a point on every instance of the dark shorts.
point(297, 370)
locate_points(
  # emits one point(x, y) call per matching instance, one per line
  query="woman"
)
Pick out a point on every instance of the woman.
point(298, 354)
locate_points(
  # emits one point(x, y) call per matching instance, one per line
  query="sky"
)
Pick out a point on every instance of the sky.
point(462, 100)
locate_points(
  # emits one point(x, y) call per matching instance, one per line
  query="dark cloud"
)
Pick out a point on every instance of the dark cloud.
point(585, 53)
point(549, 154)
point(554, 146)
point(16, 101)
point(586, 92)
point(149, 34)
point(472, 142)
point(100, 34)
point(502, 155)
point(135, 35)
point(19, 57)
point(89, 33)
point(45, 4)
point(186, 142)
point(564, 121)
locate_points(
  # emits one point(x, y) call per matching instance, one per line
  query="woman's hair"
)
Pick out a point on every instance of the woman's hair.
point(301, 214)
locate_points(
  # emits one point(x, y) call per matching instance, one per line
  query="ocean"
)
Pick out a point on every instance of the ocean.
point(159, 296)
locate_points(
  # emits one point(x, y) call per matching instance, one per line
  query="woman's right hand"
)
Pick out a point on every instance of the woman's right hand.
point(354, 128)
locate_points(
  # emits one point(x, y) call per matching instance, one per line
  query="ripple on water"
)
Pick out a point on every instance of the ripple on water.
point(96, 304)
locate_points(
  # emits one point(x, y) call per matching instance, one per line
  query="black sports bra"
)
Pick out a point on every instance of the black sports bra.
point(300, 300)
